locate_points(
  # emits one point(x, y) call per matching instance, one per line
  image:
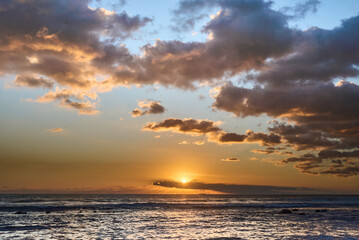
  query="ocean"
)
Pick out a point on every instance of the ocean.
point(179, 217)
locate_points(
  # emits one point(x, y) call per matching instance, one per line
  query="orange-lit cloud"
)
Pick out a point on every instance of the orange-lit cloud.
point(230, 159)
point(68, 98)
point(77, 52)
point(199, 143)
point(44, 52)
point(148, 107)
point(56, 130)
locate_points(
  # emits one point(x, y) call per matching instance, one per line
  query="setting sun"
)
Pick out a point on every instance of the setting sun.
point(183, 180)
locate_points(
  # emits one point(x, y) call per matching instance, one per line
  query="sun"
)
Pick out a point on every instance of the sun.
point(183, 180)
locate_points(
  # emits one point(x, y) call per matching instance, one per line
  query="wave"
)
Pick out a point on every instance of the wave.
point(156, 205)
point(7, 228)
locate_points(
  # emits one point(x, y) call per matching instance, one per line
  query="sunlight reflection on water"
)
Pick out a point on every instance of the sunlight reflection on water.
point(195, 217)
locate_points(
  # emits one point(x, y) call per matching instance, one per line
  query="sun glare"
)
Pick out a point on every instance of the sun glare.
point(183, 180)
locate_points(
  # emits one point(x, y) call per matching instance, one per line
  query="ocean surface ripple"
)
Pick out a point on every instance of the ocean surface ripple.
point(178, 217)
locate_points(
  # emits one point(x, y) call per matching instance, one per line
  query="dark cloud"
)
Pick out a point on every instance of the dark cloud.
point(264, 151)
point(241, 37)
point(323, 113)
point(82, 107)
point(323, 116)
point(148, 107)
point(250, 136)
point(313, 58)
point(230, 159)
point(70, 45)
point(233, 188)
point(341, 164)
point(275, 150)
point(213, 132)
point(329, 157)
point(32, 81)
point(302, 138)
point(294, 71)
point(232, 137)
point(71, 21)
point(325, 154)
point(251, 35)
point(190, 126)
point(303, 104)
point(136, 112)
point(65, 42)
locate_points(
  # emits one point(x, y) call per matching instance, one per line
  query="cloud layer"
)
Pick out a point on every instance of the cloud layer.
point(77, 52)
point(70, 43)
point(62, 42)
point(323, 115)
point(213, 132)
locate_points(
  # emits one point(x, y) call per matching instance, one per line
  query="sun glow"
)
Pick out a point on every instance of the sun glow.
point(183, 180)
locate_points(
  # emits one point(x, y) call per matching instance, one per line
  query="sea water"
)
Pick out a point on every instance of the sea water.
point(178, 217)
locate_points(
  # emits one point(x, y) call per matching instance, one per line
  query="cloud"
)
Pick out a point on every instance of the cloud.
point(186, 22)
point(189, 126)
point(201, 97)
point(32, 81)
point(63, 42)
point(230, 159)
point(313, 59)
point(294, 83)
point(242, 36)
point(56, 130)
point(199, 143)
point(234, 188)
point(61, 45)
point(270, 150)
point(341, 164)
point(85, 108)
point(250, 136)
point(332, 152)
point(322, 115)
point(75, 44)
point(213, 132)
point(300, 9)
point(65, 97)
point(79, 51)
point(321, 120)
point(303, 138)
point(319, 102)
point(148, 107)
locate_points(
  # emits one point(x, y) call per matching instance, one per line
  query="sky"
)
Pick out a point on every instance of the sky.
point(189, 96)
